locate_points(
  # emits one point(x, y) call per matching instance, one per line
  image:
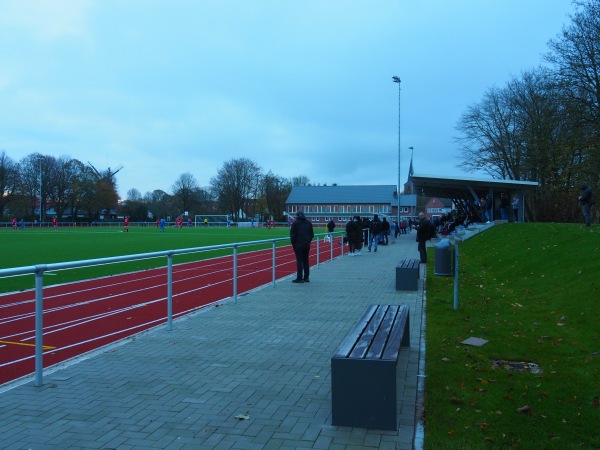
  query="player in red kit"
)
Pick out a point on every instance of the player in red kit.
point(54, 223)
point(126, 224)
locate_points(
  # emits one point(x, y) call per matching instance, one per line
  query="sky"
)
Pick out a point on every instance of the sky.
point(161, 88)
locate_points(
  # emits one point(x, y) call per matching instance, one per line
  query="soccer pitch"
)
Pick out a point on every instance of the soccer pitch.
point(36, 246)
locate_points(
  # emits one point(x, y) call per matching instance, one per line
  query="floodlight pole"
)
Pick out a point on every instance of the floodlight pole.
point(396, 79)
point(40, 163)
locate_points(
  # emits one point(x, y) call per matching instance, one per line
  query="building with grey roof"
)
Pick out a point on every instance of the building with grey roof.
point(322, 203)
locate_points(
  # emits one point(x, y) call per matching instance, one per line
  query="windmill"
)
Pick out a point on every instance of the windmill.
point(108, 175)
point(106, 189)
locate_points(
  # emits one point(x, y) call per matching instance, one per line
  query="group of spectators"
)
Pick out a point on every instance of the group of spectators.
point(361, 232)
point(364, 232)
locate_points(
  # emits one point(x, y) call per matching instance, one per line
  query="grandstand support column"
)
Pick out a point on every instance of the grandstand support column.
point(397, 80)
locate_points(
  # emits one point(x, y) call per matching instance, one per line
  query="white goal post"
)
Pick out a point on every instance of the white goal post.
point(212, 220)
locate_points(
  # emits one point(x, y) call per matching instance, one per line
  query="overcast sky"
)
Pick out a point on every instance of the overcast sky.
point(301, 88)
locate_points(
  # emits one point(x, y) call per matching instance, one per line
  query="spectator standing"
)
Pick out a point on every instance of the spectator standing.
point(425, 231)
point(385, 231)
point(359, 236)
point(503, 206)
point(330, 229)
point(375, 233)
point(301, 234)
point(366, 229)
point(351, 236)
point(483, 209)
point(489, 205)
point(396, 229)
point(515, 207)
point(586, 202)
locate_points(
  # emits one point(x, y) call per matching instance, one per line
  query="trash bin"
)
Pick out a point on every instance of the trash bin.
point(443, 258)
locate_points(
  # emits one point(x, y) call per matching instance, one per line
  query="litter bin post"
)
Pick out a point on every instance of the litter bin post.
point(443, 258)
point(457, 240)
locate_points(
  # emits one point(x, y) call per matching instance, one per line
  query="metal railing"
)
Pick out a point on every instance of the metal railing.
point(40, 269)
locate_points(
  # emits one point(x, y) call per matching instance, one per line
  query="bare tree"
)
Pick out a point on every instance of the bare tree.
point(575, 54)
point(159, 203)
point(275, 191)
point(59, 181)
point(236, 186)
point(301, 180)
point(134, 195)
point(8, 180)
point(490, 140)
point(83, 190)
point(184, 192)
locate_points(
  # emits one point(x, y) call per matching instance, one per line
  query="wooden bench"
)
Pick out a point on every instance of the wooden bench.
point(407, 275)
point(363, 369)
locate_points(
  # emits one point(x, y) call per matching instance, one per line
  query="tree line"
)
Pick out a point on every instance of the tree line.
point(76, 191)
point(544, 125)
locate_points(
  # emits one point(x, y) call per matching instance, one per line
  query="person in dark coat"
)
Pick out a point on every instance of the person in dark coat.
point(330, 229)
point(359, 236)
point(366, 228)
point(375, 232)
point(330, 226)
point(301, 234)
point(351, 232)
point(425, 230)
point(585, 200)
point(385, 231)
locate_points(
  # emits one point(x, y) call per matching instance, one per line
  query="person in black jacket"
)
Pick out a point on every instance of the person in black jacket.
point(375, 232)
point(351, 233)
point(585, 200)
point(301, 234)
point(425, 231)
point(385, 231)
point(504, 206)
point(330, 229)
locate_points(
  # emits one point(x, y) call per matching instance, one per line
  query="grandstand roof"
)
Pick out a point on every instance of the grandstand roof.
point(451, 187)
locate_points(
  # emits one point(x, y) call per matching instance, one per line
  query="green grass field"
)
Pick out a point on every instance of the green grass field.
point(43, 246)
point(532, 291)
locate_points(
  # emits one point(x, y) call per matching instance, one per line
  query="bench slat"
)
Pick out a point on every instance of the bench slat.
point(409, 264)
point(383, 334)
point(364, 342)
point(400, 335)
point(350, 340)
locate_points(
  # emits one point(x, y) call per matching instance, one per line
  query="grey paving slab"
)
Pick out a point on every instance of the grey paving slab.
point(266, 356)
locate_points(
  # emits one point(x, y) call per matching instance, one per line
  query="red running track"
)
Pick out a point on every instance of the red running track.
point(84, 316)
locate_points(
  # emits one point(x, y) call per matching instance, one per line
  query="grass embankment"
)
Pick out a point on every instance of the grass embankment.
point(532, 291)
point(34, 246)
